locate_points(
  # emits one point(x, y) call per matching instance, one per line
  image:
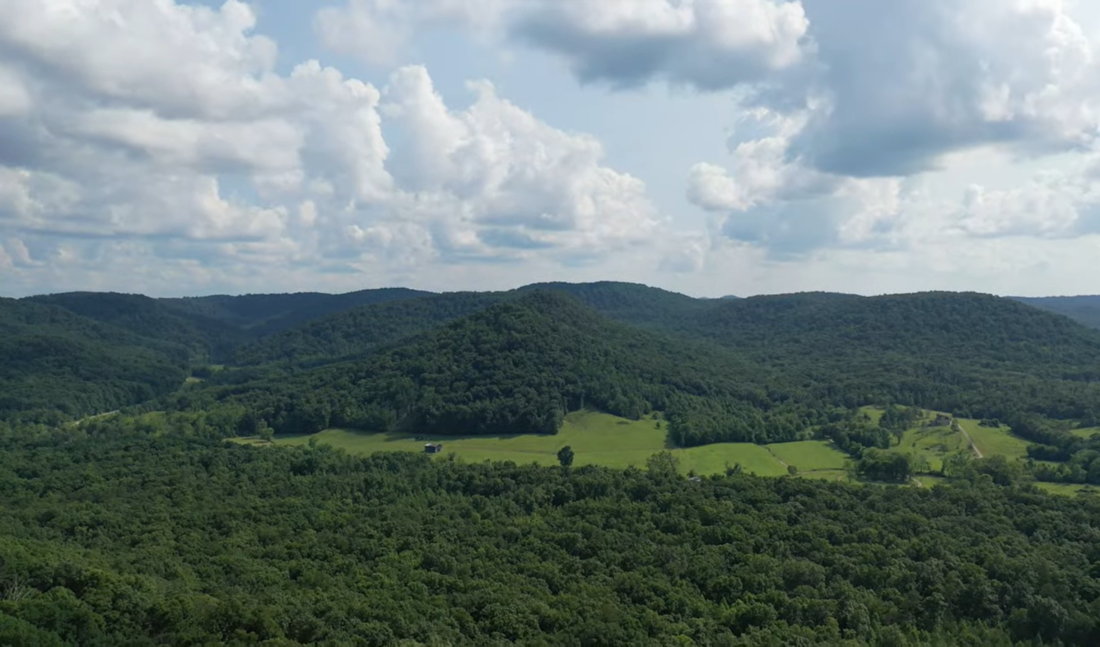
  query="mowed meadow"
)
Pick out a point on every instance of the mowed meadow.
point(610, 441)
point(598, 439)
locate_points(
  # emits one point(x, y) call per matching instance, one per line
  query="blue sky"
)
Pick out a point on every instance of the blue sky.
point(706, 146)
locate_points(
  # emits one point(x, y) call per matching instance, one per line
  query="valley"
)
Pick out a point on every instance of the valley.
point(789, 469)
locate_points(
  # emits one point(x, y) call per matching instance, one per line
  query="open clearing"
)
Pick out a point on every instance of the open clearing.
point(932, 443)
point(993, 441)
point(1068, 489)
point(810, 456)
point(1086, 433)
point(610, 441)
point(598, 439)
point(935, 443)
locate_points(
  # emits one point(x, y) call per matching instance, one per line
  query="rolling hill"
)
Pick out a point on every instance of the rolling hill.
point(362, 329)
point(515, 367)
point(57, 364)
point(264, 314)
point(758, 369)
point(753, 370)
point(208, 339)
point(1084, 310)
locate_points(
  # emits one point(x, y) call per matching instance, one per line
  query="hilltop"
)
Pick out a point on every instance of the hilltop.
point(758, 369)
point(56, 364)
point(514, 367)
point(752, 370)
point(1083, 309)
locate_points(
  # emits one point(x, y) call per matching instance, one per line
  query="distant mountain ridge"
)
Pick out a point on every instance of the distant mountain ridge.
point(57, 364)
point(762, 369)
point(1083, 309)
point(769, 364)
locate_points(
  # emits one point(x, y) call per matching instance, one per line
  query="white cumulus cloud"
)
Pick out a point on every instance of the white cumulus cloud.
point(159, 129)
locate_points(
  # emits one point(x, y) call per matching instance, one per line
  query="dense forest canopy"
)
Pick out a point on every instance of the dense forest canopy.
point(123, 538)
point(1084, 309)
point(263, 314)
point(362, 329)
point(762, 369)
point(149, 529)
point(209, 340)
point(55, 364)
point(755, 370)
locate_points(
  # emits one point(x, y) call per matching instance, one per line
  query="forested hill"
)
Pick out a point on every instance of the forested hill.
point(359, 330)
point(209, 340)
point(1085, 310)
point(263, 314)
point(514, 367)
point(57, 364)
point(977, 327)
point(758, 370)
point(633, 304)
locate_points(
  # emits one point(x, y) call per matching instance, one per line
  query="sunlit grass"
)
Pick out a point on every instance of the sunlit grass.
point(596, 439)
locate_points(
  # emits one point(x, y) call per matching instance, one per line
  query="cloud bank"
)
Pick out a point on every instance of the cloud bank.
point(136, 128)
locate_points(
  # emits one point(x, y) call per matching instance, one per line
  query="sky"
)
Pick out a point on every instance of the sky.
point(711, 147)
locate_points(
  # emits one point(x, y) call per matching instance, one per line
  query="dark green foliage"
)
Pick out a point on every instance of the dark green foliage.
point(123, 539)
point(1078, 459)
point(855, 433)
point(770, 371)
point(519, 367)
point(565, 456)
point(1084, 310)
point(763, 369)
point(209, 340)
point(55, 364)
point(975, 355)
point(360, 330)
point(630, 303)
point(896, 418)
point(264, 314)
point(885, 467)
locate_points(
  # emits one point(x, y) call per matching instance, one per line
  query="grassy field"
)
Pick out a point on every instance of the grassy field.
point(598, 439)
point(602, 439)
point(991, 441)
point(1086, 433)
point(931, 443)
point(935, 443)
point(810, 456)
point(1068, 489)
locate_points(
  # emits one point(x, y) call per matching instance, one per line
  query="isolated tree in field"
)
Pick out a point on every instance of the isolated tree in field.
point(565, 456)
point(663, 463)
point(264, 431)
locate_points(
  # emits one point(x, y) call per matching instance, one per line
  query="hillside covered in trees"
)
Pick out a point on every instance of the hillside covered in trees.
point(1084, 309)
point(150, 529)
point(754, 370)
point(762, 369)
point(55, 364)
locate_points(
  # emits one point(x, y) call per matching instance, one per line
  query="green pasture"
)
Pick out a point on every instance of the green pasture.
point(596, 439)
point(610, 441)
point(810, 456)
point(1086, 433)
point(995, 441)
point(1068, 489)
